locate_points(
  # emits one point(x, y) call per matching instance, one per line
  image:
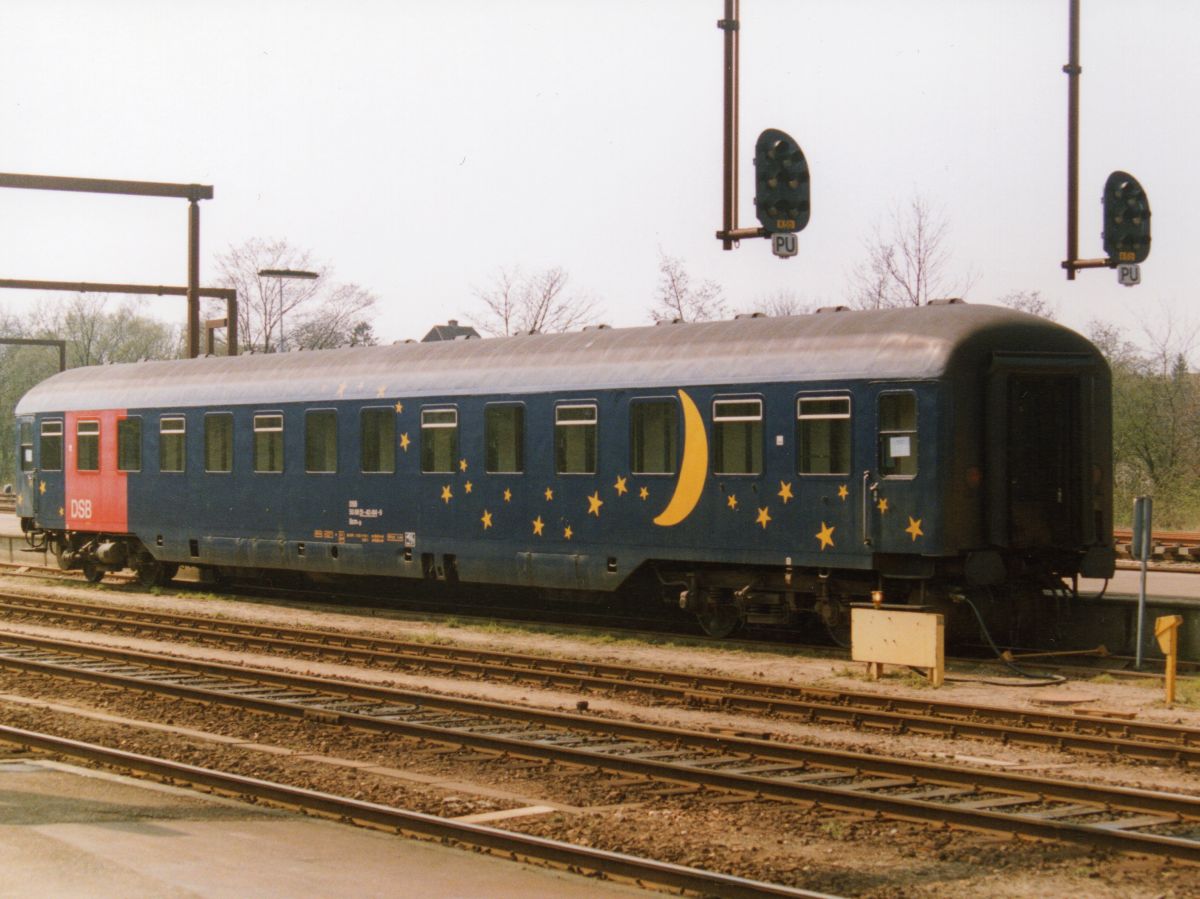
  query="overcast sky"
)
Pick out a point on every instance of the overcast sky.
point(417, 147)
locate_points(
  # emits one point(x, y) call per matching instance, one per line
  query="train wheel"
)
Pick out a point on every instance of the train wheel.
point(57, 547)
point(93, 572)
point(719, 616)
point(152, 573)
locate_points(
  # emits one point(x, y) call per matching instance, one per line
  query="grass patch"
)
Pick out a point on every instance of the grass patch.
point(1187, 691)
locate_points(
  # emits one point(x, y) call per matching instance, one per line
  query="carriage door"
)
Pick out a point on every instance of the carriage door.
point(891, 490)
point(1041, 448)
point(27, 476)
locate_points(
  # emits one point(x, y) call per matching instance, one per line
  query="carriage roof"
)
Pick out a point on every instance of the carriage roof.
point(893, 344)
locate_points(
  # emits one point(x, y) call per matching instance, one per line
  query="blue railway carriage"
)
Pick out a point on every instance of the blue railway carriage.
point(746, 470)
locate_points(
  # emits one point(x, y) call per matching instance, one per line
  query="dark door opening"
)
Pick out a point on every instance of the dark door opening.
point(1043, 471)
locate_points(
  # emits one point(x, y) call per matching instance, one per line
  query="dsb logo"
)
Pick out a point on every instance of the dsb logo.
point(81, 508)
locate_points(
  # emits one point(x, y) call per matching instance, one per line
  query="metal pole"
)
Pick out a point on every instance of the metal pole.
point(1073, 70)
point(193, 286)
point(1143, 517)
point(231, 326)
point(730, 26)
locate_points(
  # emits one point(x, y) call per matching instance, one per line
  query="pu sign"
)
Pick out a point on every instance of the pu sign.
point(784, 244)
point(1129, 275)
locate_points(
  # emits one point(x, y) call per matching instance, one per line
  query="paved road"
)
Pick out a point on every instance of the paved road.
point(67, 831)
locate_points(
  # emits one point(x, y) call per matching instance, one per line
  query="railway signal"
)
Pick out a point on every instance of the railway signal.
point(1126, 220)
point(781, 183)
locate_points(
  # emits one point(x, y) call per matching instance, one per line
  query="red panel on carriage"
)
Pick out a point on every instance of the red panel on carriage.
point(96, 497)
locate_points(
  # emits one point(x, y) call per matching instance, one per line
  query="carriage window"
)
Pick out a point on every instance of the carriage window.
point(50, 451)
point(378, 440)
point(26, 446)
point(320, 441)
point(171, 447)
point(504, 439)
point(439, 439)
point(575, 439)
point(87, 446)
point(737, 436)
point(654, 437)
point(898, 435)
point(218, 442)
point(823, 435)
point(129, 444)
point(268, 444)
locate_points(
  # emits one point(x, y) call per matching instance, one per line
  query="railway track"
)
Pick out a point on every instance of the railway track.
point(858, 709)
point(510, 844)
point(1114, 818)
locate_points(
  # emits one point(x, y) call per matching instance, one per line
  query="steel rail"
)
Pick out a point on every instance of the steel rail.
point(494, 840)
point(1088, 733)
point(757, 767)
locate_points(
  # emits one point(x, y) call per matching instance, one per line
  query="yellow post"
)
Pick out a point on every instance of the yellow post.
point(1166, 631)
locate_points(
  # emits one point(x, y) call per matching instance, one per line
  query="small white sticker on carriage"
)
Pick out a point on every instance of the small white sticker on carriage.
point(900, 447)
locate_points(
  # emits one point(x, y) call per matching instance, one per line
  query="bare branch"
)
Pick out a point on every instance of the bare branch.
point(908, 265)
point(679, 300)
point(516, 303)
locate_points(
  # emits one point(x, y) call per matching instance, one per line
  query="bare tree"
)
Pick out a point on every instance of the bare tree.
point(275, 313)
point(678, 299)
point(539, 303)
point(907, 265)
point(1030, 301)
point(339, 321)
point(96, 336)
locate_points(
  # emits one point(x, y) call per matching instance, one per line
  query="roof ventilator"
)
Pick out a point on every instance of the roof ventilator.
point(948, 301)
point(750, 315)
point(831, 309)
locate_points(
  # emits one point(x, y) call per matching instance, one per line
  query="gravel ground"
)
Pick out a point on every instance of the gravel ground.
point(836, 853)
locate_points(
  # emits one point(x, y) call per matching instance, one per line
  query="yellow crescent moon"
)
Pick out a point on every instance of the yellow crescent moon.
point(694, 470)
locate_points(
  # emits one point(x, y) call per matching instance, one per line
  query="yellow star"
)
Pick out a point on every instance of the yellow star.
point(644, 493)
point(731, 501)
point(341, 391)
point(594, 504)
point(42, 487)
point(843, 492)
point(883, 506)
point(785, 492)
point(826, 535)
point(763, 517)
point(538, 524)
point(446, 494)
point(399, 407)
point(620, 486)
point(468, 486)
point(549, 494)
point(567, 532)
point(404, 442)
point(60, 511)
point(507, 495)
point(379, 393)
point(486, 519)
point(462, 464)
point(914, 528)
